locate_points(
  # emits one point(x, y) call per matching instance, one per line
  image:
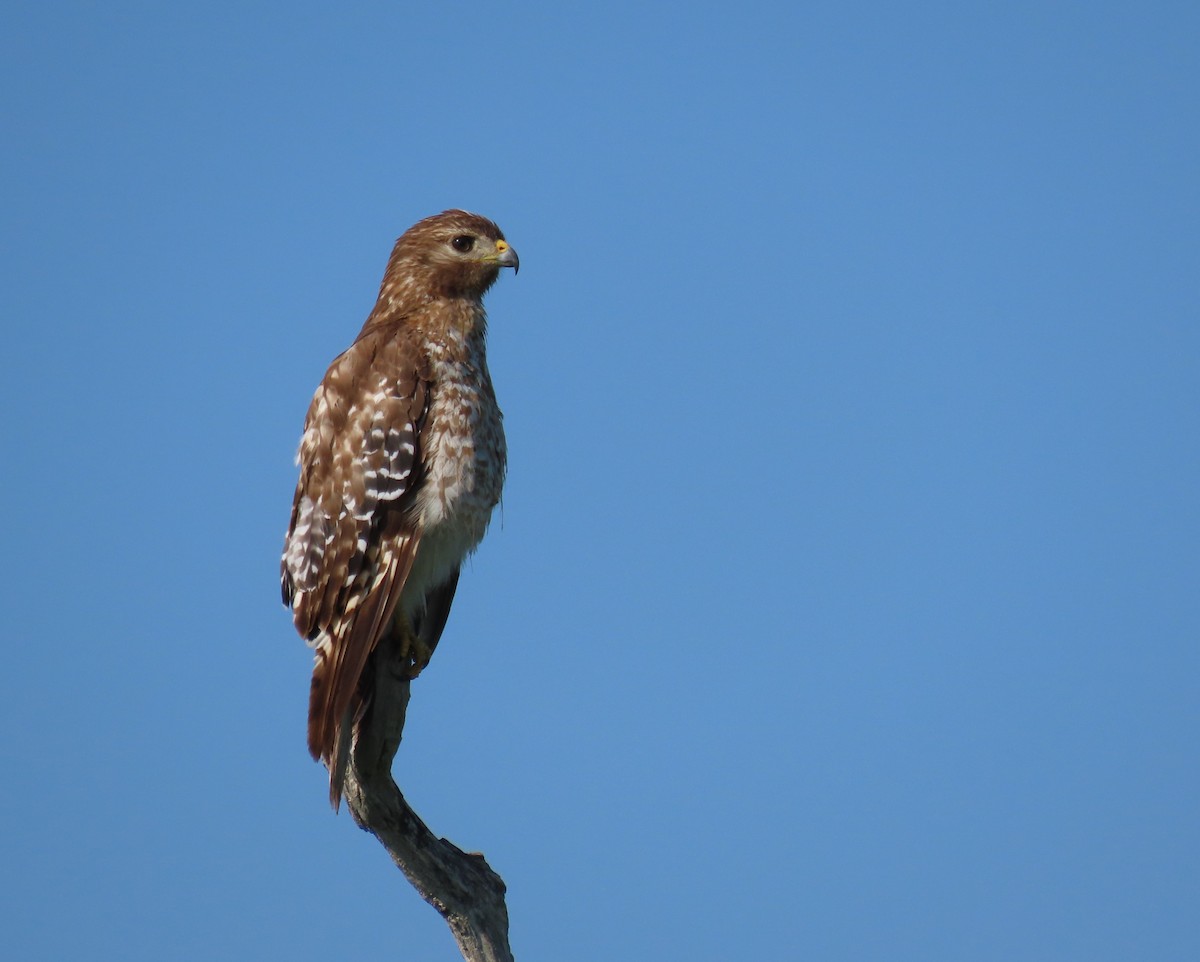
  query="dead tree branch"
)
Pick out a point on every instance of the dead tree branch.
point(461, 886)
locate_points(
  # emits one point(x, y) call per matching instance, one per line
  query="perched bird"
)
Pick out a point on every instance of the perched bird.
point(401, 463)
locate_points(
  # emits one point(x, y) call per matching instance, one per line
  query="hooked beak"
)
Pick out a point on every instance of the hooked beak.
point(507, 257)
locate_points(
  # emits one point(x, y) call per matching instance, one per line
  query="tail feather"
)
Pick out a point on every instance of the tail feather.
point(341, 758)
point(335, 700)
point(331, 727)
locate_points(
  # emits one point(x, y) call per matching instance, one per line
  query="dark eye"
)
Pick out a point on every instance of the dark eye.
point(463, 243)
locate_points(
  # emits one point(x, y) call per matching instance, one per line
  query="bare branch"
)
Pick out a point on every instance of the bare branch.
point(461, 886)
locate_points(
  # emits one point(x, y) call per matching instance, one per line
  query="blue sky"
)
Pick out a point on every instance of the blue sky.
point(843, 603)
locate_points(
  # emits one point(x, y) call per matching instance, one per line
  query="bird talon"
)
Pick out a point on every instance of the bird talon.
point(416, 655)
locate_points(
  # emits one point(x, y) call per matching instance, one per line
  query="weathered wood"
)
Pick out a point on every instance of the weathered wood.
point(461, 886)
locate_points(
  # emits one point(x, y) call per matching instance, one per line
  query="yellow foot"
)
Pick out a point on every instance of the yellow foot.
point(413, 651)
point(421, 653)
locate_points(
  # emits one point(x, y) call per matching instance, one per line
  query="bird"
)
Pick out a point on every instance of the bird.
point(401, 463)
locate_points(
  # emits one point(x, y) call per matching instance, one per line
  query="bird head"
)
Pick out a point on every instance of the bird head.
point(455, 253)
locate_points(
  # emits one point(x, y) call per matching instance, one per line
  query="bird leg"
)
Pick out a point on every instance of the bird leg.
point(414, 653)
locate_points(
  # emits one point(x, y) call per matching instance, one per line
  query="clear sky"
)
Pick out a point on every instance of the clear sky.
point(843, 605)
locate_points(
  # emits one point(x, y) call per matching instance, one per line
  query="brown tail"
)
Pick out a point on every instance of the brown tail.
point(335, 701)
point(330, 726)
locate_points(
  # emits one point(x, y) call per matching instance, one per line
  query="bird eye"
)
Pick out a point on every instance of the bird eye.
point(463, 243)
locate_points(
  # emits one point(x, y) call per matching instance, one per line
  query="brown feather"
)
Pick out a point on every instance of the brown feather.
point(346, 580)
point(370, 443)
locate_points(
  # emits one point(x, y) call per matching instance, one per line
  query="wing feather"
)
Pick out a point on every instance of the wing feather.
point(352, 538)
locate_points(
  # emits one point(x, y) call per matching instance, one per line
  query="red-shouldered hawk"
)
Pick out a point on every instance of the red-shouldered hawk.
point(401, 463)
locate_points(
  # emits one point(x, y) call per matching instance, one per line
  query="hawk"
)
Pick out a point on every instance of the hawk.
point(401, 462)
